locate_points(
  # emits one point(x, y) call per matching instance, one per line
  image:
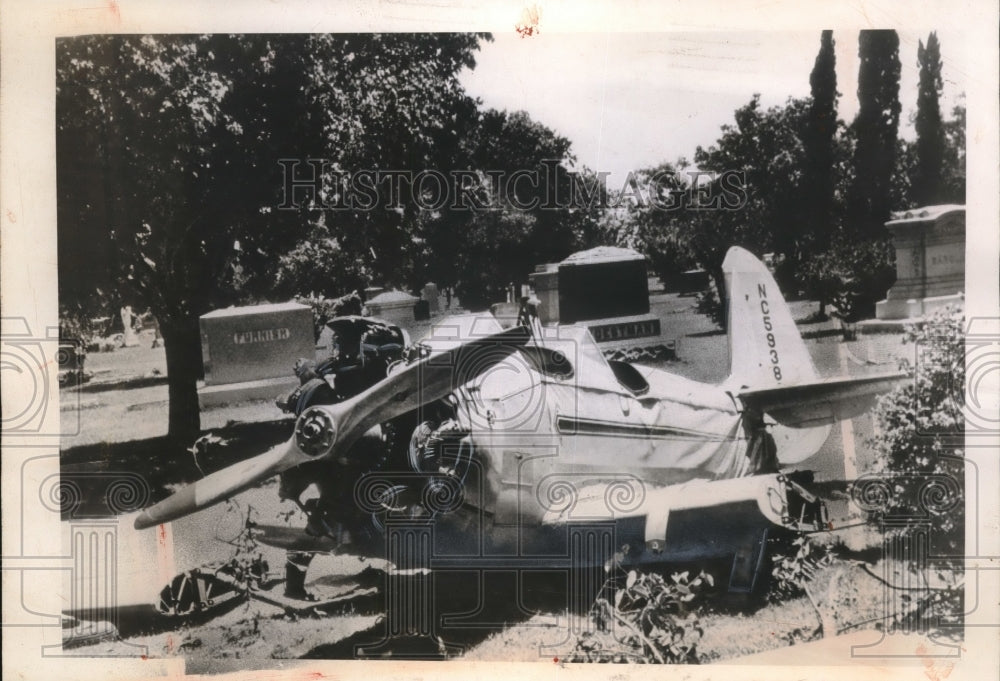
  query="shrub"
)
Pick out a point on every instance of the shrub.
point(646, 618)
point(918, 488)
point(921, 427)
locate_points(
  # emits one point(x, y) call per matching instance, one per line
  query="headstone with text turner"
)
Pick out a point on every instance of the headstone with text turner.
point(249, 352)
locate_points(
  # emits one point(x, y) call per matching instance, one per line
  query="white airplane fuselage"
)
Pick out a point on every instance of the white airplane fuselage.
point(537, 435)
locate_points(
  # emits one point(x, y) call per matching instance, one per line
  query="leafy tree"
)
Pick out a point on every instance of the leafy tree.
point(654, 226)
point(168, 173)
point(320, 264)
point(876, 129)
point(763, 156)
point(953, 179)
point(139, 179)
point(928, 178)
point(392, 102)
point(852, 275)
point(493, 256)
point(916, 490)
point(527, 215)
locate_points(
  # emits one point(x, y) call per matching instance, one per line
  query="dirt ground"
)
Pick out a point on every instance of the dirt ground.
point(121, 417)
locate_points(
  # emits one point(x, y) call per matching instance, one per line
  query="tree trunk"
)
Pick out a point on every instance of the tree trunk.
point(182, 341)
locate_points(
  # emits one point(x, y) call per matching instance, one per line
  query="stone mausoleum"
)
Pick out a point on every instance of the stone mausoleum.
point(930, 262)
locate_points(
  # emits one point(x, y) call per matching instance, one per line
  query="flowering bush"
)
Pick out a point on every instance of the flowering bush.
point(921, 427)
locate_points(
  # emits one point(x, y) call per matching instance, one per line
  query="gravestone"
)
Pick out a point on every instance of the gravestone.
point(129, 337)
point(431, 294)
point(545, 282)
point(930, 261)
point(602, 282)
point(249, 352)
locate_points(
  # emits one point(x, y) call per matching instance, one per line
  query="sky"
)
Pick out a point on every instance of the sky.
point(632, 100)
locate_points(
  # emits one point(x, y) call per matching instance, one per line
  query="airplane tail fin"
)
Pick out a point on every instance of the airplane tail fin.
point(771, 372)
point(765, 347)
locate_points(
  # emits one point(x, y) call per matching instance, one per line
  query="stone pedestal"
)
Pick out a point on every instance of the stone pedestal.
point(249, 352)
point(930, 262)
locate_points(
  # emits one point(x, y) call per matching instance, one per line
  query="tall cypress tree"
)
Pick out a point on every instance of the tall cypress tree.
point(927, 184)
point(818, 139)
point(818, 142)
point(875, 130)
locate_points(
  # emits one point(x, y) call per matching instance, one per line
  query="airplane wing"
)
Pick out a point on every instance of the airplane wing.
point(816, 403)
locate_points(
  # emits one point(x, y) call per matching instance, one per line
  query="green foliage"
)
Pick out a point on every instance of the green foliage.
point(953, 176)
point(921, 427)
point(852, 275)
point(659, 234)
point(876, 129)
point(643, 617)
point(928, 187)
point(708, 303)
point(794, 569)
point(819, 141)
point(524, 223)
point(320, 265)
point(493, 256)
point(763, 148)
point(168, 173)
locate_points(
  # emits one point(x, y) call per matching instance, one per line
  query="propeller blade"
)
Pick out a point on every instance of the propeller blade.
point(221, 484)
point(323, 430)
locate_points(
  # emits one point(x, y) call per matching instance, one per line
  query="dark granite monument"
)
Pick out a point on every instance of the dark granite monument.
point(605, 289)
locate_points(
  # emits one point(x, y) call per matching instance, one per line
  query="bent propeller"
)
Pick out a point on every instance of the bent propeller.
point(323, 431)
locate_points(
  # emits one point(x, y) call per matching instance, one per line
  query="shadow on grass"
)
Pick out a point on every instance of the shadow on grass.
point(126, 384)
point(88, 473)
point(146, 620)
point(462, 610)
point(822, 333)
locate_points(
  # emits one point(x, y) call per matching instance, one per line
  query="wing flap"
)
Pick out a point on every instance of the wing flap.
point(820, 402)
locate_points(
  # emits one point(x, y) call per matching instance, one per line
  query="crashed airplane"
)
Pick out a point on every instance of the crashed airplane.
point(506, 438)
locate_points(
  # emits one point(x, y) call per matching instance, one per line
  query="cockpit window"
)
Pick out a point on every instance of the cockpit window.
point(549, 362)
point(629, 377)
